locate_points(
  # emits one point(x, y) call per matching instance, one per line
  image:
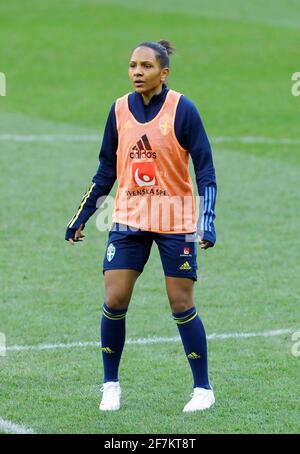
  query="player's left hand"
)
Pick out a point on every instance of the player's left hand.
point(205, 244)
point(76, 236)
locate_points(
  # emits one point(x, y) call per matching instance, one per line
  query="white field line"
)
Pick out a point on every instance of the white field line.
point(9, 427)
point(49, 138)
point(255, 139)
point(147, 340)
point(97, 138)
point(12, 428)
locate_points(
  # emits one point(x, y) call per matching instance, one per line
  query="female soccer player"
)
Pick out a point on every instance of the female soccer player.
point(149, 136)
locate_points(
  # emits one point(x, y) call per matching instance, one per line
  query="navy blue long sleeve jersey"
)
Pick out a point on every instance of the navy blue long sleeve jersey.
point(190, 134)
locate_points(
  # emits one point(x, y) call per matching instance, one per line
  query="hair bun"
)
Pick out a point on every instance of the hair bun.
point(167, 45)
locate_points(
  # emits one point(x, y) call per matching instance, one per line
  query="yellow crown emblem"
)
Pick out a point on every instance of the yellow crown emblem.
point(165, 124)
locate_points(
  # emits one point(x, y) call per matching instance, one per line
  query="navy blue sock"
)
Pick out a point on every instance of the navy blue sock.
point(112, 341)
point(193, 337)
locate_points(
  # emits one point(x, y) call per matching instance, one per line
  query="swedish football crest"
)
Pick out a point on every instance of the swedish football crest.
point(111, 250)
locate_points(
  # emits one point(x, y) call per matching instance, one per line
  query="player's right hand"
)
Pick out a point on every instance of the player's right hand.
point(75, 235)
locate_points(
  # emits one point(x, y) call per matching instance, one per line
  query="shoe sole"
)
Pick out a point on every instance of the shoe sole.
point(198, 409)
point(109, 409)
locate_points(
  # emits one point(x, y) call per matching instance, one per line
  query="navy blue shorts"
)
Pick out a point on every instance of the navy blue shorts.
point(130, 249)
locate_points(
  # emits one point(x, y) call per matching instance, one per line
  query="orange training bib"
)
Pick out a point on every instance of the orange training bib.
point(155, 190)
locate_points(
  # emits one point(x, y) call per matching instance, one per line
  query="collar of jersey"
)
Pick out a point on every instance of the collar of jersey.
point(155, 98)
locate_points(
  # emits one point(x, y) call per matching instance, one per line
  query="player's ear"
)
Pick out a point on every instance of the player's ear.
point(164, 74)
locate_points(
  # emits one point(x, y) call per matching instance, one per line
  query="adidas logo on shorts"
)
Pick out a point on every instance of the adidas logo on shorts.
point(185, 266)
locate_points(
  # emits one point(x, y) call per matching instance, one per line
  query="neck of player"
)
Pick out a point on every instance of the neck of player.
point(147, 96)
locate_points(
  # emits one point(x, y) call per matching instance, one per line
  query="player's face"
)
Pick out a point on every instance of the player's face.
point(145, 72)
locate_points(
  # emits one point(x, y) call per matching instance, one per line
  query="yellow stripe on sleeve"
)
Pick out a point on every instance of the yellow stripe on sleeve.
point(85, 197)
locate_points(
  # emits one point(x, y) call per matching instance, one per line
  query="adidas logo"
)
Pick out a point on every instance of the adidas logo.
point(107, 350)
point(193, 355)
point(185, 266)
point(142, 149)
point(128, 124)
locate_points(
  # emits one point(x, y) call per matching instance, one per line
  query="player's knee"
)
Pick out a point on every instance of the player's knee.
point(180, 301)
point(116, 302)
point(180, 305)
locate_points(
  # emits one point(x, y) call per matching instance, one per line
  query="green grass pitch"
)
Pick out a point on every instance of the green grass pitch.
point(65, 63)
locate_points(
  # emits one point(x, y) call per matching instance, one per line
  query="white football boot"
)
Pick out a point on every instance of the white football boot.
point(111, 399)
point(202, 399)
